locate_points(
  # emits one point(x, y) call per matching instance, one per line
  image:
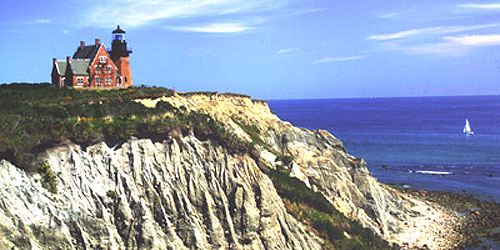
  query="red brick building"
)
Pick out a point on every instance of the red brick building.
point(93, 67)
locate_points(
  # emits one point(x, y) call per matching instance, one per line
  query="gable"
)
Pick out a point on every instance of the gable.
point(102, 52)
point(60, 67)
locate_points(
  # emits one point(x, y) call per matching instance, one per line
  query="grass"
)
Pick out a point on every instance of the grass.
point(254, 133)
point(311, 207)
point(35, 117)
point(314, 210)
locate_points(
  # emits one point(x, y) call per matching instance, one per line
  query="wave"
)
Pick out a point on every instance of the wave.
point(433, 172)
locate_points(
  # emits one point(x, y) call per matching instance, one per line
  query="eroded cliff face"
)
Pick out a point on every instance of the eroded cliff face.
point(323, 164)
point(188, 193)
point(147, 195)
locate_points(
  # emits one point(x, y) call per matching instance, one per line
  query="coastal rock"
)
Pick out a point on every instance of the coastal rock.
point(183, 193)
point(147, 195)
point(322, 162)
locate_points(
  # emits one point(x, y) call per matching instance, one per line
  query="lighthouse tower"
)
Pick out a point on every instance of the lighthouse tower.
point(119, 54)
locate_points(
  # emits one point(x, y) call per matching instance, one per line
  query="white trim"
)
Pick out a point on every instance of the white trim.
point(78, 79)
point(57, 68)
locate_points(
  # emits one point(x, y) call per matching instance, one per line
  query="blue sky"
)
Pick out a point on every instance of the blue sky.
point(270, 49)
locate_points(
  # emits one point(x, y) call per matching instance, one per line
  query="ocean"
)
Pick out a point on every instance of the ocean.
point(414, 141)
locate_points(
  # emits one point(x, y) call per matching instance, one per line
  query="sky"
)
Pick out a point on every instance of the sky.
point(270, 49)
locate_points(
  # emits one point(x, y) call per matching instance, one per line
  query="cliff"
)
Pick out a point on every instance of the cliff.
point(185, 191)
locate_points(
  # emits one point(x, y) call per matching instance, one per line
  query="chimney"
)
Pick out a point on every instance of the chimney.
point(54, 60)
point(68, 59)
point(82, 44)
point(97, 41)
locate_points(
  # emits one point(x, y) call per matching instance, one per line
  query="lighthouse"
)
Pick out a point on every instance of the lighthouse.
point(120, 56)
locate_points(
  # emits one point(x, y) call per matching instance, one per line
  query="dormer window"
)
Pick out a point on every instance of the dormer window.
point(102, 59)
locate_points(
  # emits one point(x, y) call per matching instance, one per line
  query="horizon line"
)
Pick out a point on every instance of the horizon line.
point(382, 97)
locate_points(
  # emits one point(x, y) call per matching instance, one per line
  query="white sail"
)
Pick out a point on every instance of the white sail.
point(467, 130)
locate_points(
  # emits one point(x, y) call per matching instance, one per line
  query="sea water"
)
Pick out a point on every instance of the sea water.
point(415, 141)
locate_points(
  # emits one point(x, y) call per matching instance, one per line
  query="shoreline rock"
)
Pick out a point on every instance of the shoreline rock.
point(477, 217)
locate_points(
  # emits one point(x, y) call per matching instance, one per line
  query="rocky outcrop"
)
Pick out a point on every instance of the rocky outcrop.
point(185, 193)
point(146, 195)
point(322, 163)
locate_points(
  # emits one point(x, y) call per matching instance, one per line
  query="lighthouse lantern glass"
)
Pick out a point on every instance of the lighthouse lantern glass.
point(119, 37)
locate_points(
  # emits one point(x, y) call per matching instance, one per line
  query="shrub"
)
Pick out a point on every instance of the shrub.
point(313, 209)
point(286, 159)
point(111, 194)
point(49, 179)
point(35, 117)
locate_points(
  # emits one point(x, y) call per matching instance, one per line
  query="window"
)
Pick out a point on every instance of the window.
point(79, 80)
point(108, 81)
point(108, 69)
point(98, 81)
point(98, 68)
point(102, 59)
point(125, 79)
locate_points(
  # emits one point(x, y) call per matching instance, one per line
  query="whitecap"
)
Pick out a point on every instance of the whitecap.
point(433, 172)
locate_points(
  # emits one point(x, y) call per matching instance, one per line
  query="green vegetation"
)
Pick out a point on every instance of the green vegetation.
point(111, 194)
point(285, 159)
point(254, 133)
point(313, 209)
point(45, 94)
point(35, 117)
point(49, 179)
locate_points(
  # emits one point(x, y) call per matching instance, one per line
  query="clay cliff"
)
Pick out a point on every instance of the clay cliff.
point(186, 192)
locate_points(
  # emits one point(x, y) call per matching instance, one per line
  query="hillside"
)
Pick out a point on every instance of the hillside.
point(150, 168)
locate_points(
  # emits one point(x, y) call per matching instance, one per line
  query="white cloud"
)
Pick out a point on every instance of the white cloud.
point(449, 46)
point(440, 30)
point(438, 49)
point(397, 35)
point(477, 40)
point(214, 28)
point(389, 15)
point(487, 6)
point(40, 21)
point(132, 13)
point(338, 59)
point(284, 51)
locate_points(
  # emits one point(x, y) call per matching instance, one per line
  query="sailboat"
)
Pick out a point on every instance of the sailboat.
point(467, 130)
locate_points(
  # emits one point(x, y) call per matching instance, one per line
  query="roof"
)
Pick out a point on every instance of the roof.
point(61, 67)
point(87, 52)
point(80, 67)
point(118, 30)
